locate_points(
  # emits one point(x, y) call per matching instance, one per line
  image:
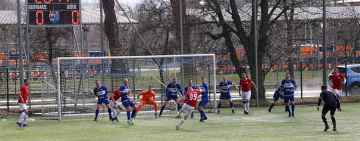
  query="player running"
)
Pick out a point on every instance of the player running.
point(246, 84)
point(128, 104)
point(172, 91)
point(190, 101)
point(279, 93)
point(331, 103)
point(225, 88)
point(116, 104)
point(289, 87)
point(23, 101)
point(204, 87)
point(337, 80)
point(101, 92)
point(148, 98)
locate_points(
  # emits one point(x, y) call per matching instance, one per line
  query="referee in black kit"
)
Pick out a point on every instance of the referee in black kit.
point(331, 103)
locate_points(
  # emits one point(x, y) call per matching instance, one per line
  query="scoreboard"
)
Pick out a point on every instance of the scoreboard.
point(53, 12)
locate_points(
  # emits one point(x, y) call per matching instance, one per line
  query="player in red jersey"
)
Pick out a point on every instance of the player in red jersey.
point(115, 104)
point(23, 101)
point(337, 80)
point(190, 101)
point(148, 98)
point(246, 84)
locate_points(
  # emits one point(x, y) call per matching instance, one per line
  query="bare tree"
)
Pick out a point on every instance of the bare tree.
point(228, 16)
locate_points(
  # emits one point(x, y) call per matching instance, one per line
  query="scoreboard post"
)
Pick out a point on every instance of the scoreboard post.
point(53, 12)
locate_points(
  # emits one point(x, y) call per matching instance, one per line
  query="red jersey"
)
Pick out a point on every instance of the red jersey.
point(24, 94)
point(116, 95)
point(337, 79)
point(191, 96)
point(148, 95)
point(245, 84)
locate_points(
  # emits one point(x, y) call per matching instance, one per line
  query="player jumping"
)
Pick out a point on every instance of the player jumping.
point(190, 101)
point(101, 92)
point(289, 87)
point(246, 84)
point(225, 88)
point(277, 95)
point(23, 101)
point(127, 102)
point(204, 99)
point(116, 104)
point(172, 91)
point(148, 98)
point(331, 103)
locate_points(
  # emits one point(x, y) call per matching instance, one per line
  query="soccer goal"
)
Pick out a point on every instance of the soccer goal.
point(76, 77)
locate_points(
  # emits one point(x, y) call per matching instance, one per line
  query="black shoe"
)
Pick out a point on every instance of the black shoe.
point(334, 129)
point(95, 119)
point(202, 120)
point(233, 111)
point(218, 111)
point(18, 124)
point(293, 115)
point(246, 113)
point(326, 128)
point(269, 110)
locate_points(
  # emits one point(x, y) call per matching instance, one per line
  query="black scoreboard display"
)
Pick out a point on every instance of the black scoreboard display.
point(53, 12)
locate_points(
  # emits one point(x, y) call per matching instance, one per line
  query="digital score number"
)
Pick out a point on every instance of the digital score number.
point(54, 12)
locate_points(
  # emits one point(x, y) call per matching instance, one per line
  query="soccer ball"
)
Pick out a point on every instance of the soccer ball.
point(172, 104)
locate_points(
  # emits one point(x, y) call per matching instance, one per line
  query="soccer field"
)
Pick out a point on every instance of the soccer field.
point(258, 126)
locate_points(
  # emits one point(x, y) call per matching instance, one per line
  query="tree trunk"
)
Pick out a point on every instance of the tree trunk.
point(111, 30)
point(175, 4)
point(50, 43)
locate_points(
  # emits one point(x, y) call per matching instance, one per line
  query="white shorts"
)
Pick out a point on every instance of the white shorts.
point(246, 96)
point(117, 105)
point(23, 107)
point(337, 92)
point(186, 109)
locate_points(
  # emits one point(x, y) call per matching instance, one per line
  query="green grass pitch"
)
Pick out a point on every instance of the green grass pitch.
point(258, 126)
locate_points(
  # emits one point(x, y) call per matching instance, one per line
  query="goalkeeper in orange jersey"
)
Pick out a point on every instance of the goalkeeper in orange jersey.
point(148, 98)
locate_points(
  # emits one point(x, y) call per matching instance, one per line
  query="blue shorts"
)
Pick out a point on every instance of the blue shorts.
point(225, 96)
point(128, 103)
point(103, 101)
point(171, 97)
point(289, 98)
point(203, 103)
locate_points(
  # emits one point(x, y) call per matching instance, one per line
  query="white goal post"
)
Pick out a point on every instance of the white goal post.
point(202, 65)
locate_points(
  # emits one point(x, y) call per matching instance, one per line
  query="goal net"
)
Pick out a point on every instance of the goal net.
point(76, 78)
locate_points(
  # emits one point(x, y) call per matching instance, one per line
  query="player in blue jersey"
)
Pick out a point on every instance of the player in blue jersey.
point(289, 87)
point(279, 93)
point(173, 89)
point(127, 102)
point(101, 92)
point(204, 99)
point(225, 94)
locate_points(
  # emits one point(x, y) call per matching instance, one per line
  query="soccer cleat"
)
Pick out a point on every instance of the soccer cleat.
point(218, 111)
point(334, 129)
point(233, 111)
point(326, 128)
point(18, 124)
point(130, 122)
point(293, 115)
point(246, 113)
